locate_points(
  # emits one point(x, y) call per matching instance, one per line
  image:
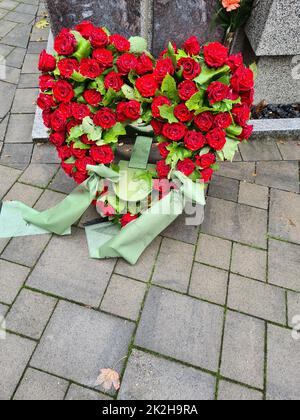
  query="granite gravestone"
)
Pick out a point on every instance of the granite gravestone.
point(157, 20)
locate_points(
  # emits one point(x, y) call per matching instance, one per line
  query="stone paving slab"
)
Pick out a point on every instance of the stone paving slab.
point(39, 174)
point(293, 309)
point(39, 386)
point(26, 250)
point(243, 350)
point(289, 150)
point(12, 279)
point(182, 328)
point(174, 265)
point(284, 260)
point(7, 91)
point(3, 309)
point(25, 193)
point(259, 150)
point(232, 392)
point(209, 247)
point(254, 195)
point(282, 175)
point(257, 299)
point(8, 177)
point(249, 262)
point(75, 333)
point(224, 188)
point(30, 314)
point(16, 155)
point(15, 353)
point(283, 378)
point(236, 222)
point(181, 231)
point(19, 36)
point(81, 279)
point(149, 377)
point(78, 393)
point(243, 171)
point(124, 297)
point(20, 129)
point(285, 216)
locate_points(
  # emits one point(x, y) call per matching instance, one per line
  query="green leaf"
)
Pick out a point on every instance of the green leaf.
point(169, 87)
point(112, 135)
point(95, 134)
point(167, 112)
point(226, 105)
point(204, 151)
point(78, 77)
point(207, 74)
point(109, 97)
point(84, 47)
point(254, 68)
point(229, 150)
point(147, 116)
point(71, 160)
point(176, 154)
point(79, 145)
point(195, 175)
point(79, 90)
point(132, 76)
point(76, 132)
point(234, 130)
point(138, 45)
point(196, 101)
point(100, 85)
point(128, 92)
point(204, 109)
point(87, 125)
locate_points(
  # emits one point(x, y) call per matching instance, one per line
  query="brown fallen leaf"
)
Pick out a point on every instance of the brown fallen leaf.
point(291, 223)
point(42, 24)
point(108, 378)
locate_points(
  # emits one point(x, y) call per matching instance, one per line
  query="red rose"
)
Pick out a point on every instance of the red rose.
point(104, 57)
point(58, 121)
point(58, 138)
point(84, 138)
point(63, 91)
point(92, 97)
point(80, 111)
point(127, 218)
point(121, 112)
point(120, 43)
point(194, 140)
point(235, 61)
point(133, 110)
point(223, 120)
point(162, 169)
point(113, 81)
point(162, 147)
point(215, 54)
point(157, 102)
point(147, 85)
point(157, 127)
point(65, 43)
point(216, 138)
point(78, 153)
point(99, 38)
point(46, 115)
point(186, 166)
point(145, 65)
point(175, 131)
point(45, 101)
point(81, 164)
point(192, 46)
point(64, 152)
point(247, 131)
point(105, 118)
point(187, 89)
point(241, 114)
point(68, 168)
point(206, 175)
point(191, 69)
point(102, 154)
point(205, 161)
point(204, 121)
point(90, 68)
point(217, 92)
point(163, 67)
point(66, 110)
point(242, 80)
point(46, 82)
point(67, 66)
point(126, 63)
point(183, 114)
point(79, 177)
point(85, 29)
point(46, 62)
point(247, 97)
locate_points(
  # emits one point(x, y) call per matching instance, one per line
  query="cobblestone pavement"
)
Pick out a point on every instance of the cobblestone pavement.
point(209, 310)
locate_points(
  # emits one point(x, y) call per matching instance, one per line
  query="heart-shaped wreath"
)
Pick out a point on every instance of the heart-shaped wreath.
point(196, 101)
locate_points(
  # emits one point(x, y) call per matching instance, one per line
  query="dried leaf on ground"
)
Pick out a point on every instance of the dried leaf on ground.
point(42, 24)
point(108, 378)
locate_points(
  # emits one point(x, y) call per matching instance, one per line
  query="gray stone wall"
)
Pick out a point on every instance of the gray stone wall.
point(157, 20)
